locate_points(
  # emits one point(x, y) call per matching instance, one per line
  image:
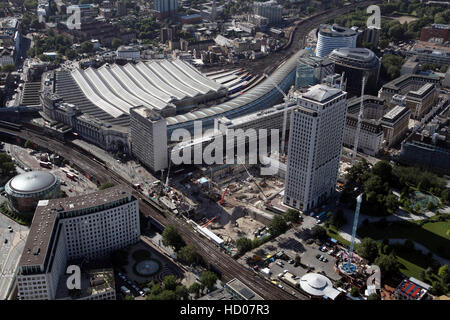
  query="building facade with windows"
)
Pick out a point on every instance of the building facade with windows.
point(83, 227)
point(334, 37)
point(315, 145)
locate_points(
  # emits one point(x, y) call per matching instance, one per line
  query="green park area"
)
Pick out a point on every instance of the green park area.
point(432, 234)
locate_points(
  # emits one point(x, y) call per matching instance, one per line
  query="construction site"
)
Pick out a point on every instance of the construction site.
point(232, 201)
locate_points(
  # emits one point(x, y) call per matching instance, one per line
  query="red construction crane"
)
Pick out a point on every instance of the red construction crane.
point(206, 224)
point(223, 197)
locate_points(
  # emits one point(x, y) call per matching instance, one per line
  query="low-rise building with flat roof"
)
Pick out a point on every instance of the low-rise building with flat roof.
point(240, 291)
point(89, 226)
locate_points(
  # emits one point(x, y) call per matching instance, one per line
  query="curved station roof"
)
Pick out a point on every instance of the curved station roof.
point(251, 95)
point(155, 85)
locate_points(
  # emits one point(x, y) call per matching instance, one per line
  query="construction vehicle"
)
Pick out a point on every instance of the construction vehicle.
point(207, 223)
point(223, 196)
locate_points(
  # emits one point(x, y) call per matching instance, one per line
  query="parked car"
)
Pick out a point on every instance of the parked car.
point(279, 263)
point(6, 240)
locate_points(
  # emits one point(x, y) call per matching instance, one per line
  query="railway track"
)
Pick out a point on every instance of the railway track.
point(212, 254)
point(269, 63)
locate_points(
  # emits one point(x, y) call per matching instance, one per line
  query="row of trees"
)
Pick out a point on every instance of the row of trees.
point(378, 197)
point(378, 181)
point(384, 255)
point(7, 168)
point(185, 253)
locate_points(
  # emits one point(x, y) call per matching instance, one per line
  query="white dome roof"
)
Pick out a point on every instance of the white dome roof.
point(315, 284)
point(33, 181)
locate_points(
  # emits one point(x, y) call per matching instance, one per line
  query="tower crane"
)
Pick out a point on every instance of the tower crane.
point(358, 126)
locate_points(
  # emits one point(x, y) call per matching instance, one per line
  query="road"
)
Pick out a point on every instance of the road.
point(10, 252)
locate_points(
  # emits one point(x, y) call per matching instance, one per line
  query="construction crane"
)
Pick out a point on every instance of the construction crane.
point(358, 126)
point(253, 179)
point(223, 196)
point(286, 99)
point(207, 223)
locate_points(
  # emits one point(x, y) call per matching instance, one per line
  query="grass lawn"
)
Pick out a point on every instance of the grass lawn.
point(334, 233)
point(440, 228)
point(409, 269)
point(430, 236)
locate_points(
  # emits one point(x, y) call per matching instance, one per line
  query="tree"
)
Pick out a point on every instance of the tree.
point(292, 215)
point(277, 226)
point(167, 295)
point(156, 289)
point(182, 292)
point(7, 167)
point(127, 297)
point(171, 237)
point(388, 264)
point(318, 232)
point(444, 273)
point(297, 260)
point(87, 47)
point(391, 203)
point(437, 288)
point(116, 42)
point(170, 282)
point(28, 144)
point(195, 289)
point(187, 254)
point(208, 279)
point(383, 169)
point(368, 249)
point(243, 245)
point(9, 68)
point(374, 296)
point(106, 185)
point(354, 291)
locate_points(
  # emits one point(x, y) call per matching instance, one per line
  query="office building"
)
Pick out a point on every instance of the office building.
point(371, 132)
point(128, 53)
point(90, 226)
point(166, 8)
point(315, 143)
point(436, 33)
point(270, 10)
point(334, 37)
point(311, 69)
point(395, 125)
point(428, 52)
point(148, 132)
point(356, 63)
point(415, 91)
point(371, 36)
point(410, 66)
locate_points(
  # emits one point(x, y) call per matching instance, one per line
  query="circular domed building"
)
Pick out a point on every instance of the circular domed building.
point(25, 190)
point(318, 286)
